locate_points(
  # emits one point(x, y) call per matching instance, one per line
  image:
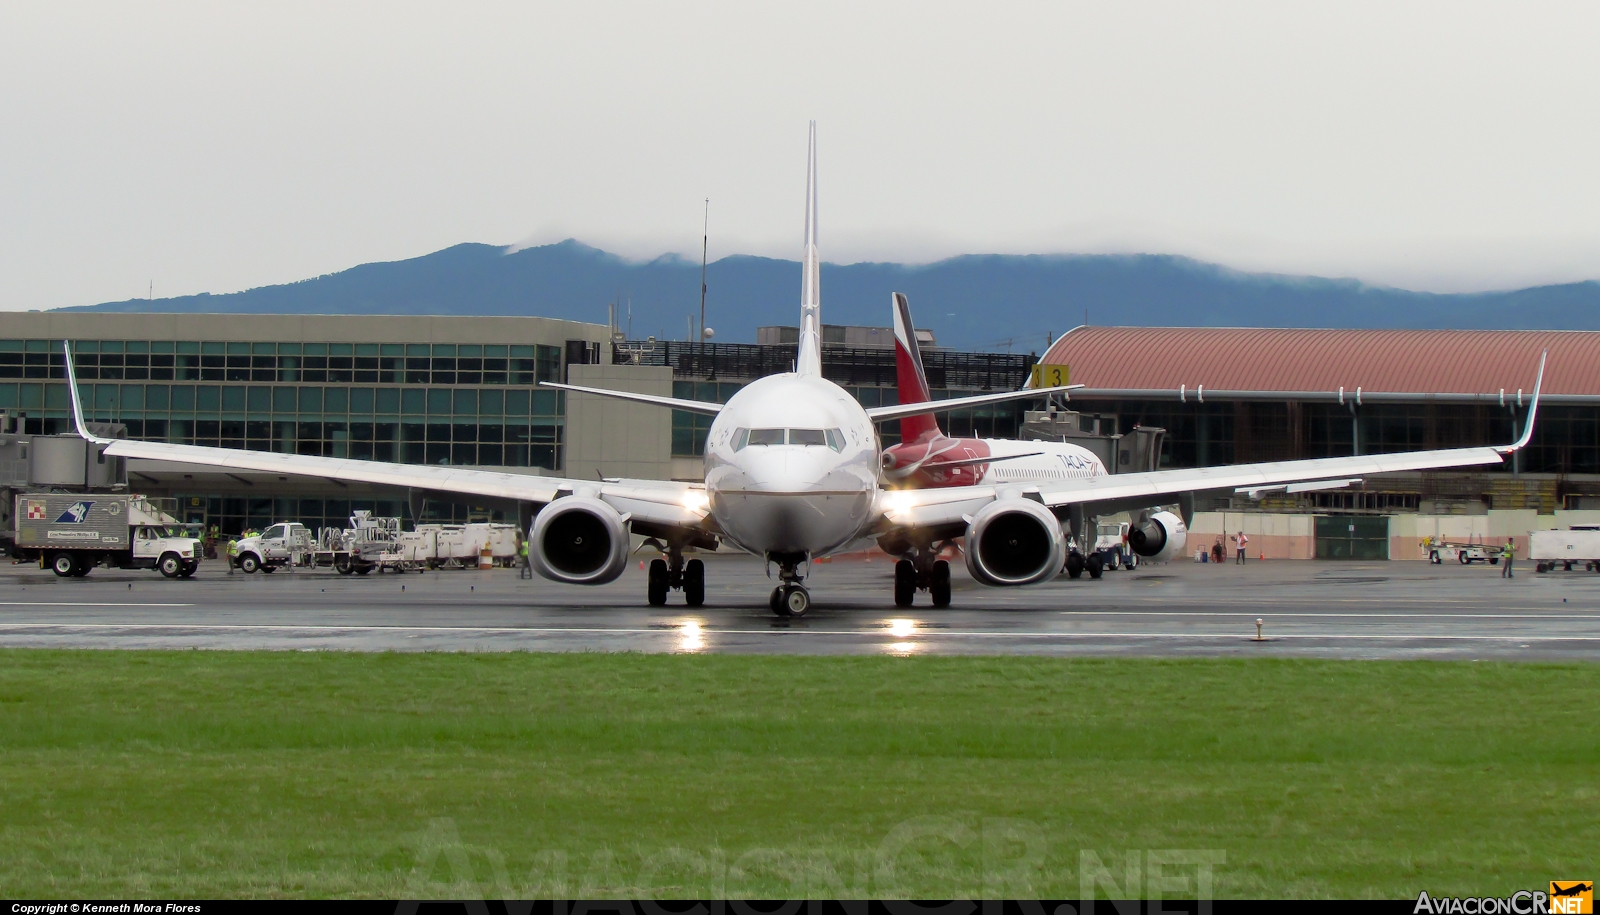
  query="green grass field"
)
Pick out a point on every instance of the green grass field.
point(212, 774)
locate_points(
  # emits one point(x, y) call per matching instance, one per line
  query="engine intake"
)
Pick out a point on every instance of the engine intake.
point(1159, 537)
point(579, 540)
point(1015, 542)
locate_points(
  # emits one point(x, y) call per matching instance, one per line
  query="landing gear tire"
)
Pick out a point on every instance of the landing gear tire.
point(939, 588)
point(776, 602)
point(796, 600)
point(1095, 565)
point(656, 589)
point(694, 583)
point(1074, 565)
point(905, 583)
point(171, 566)
point(65, 565)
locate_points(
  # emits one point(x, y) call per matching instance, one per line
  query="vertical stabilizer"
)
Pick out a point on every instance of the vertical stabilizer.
point(910, 378)
point(809, 361)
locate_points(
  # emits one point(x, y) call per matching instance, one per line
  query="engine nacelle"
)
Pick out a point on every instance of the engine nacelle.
point(579, 540)
point(1160, 537)
point(1015, 542)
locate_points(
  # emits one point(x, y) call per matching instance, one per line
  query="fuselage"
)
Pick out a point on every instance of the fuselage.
point(792, 466)
point(937, 460)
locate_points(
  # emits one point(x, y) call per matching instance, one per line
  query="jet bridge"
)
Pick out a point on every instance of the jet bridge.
point(1130, 452)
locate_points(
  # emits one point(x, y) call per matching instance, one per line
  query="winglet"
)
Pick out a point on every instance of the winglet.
point(77, 404)
point(1533, 410)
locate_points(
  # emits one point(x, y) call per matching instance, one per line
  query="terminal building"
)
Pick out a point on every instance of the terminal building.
point(432, 389)
point(462, 391)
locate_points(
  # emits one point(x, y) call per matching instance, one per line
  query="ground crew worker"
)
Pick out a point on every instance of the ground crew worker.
point(1507, 554)
point(1239, 540)
point(525, 570)
point(233, 555)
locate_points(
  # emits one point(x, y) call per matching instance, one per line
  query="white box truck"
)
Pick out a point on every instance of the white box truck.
point(71, 533)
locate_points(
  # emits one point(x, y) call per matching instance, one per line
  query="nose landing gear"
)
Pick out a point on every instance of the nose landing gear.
point(790, 599)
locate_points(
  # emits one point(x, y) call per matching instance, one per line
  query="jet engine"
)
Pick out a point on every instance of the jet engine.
point(1159, 537)
point(579, 540)
point(1015, 542)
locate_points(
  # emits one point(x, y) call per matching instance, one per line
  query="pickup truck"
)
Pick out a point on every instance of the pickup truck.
point(275, 547)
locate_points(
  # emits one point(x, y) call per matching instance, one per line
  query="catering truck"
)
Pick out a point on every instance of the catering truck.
point(71, 533)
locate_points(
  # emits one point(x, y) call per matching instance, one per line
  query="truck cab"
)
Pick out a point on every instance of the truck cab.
point(274, 547)
point(167, 548)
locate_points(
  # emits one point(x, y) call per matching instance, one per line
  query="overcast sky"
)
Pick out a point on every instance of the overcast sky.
point(215, 147)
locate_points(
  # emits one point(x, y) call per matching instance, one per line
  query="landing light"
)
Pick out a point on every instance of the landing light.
point(902, 628)
point(696, 500)
point(899, 501)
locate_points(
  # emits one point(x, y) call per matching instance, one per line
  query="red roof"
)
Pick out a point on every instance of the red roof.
point(1257, 359)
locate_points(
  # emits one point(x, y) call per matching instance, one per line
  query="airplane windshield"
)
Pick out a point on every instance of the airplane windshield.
point(831, 438)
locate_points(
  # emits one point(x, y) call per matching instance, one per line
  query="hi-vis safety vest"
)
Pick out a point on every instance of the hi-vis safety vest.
point(233, 547)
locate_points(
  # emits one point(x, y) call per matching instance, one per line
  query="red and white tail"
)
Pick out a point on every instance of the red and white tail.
point(909, 377)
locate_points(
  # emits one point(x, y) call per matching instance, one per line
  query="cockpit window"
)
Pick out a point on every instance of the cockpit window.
point(831, 438)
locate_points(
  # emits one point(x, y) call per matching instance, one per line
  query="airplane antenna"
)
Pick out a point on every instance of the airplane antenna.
point(705, 239)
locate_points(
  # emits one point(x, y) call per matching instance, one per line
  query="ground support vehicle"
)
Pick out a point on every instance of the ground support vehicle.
point(1565, 549)
point(71, 533)
point(1111, 545)
point(462, 545)
point(1440, 551)
point(286, 543)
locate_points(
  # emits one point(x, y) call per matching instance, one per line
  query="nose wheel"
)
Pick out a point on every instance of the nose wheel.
point(791, 598)
point(790, 601)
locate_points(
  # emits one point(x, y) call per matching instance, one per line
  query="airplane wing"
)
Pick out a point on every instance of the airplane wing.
point(947, 507)
point(676, 403)
point(653, 501)
point(901, 410)
point(938, 507)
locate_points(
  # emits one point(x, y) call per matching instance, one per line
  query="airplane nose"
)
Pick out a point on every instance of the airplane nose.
point(786, 471)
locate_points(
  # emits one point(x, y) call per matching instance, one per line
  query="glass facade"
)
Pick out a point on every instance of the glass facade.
point(409, 403)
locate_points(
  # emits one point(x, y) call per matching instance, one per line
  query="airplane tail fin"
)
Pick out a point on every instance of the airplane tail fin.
point(809, 359)
point(910, 378)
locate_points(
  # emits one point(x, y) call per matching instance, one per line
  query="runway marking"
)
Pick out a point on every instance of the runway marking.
point(1344, 616)
point(63, 603)
point(921, 634)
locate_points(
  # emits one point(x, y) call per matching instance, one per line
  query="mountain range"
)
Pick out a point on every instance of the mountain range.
point(979, 302)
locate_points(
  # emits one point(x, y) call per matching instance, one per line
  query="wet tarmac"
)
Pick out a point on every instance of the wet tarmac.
point(1308, 609)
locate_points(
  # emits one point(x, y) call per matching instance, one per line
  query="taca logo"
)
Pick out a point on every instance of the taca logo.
point(75, 514)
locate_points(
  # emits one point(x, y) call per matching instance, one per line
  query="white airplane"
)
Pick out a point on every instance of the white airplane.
point(793, 471)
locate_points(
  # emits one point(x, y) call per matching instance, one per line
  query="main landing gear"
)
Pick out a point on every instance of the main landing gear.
point(672, 574)
point(1077, 564)
point(790, 598)
point(922, 572)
